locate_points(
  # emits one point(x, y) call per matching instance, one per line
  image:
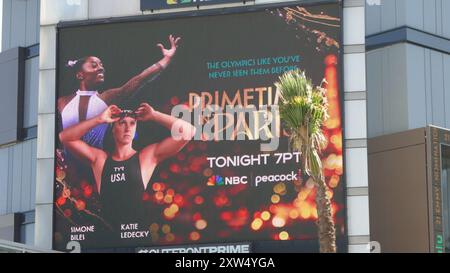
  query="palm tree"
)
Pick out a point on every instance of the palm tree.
point(304, 110)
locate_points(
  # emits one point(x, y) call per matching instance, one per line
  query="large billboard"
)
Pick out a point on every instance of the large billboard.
point(168, 132)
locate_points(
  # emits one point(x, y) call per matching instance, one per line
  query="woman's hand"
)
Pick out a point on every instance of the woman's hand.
point(145, 112)
point(110, 115)
point(173, 43)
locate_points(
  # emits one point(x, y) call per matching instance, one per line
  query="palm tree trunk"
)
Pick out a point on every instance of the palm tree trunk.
point(327, 230)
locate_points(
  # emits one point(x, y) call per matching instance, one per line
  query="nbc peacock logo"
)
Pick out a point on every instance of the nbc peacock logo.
point(216, 180)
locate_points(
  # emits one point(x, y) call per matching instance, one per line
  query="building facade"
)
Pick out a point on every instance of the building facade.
point(408, 68)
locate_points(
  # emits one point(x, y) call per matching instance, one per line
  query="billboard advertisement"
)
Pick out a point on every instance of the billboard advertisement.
point(166, 4)
point(168, 132)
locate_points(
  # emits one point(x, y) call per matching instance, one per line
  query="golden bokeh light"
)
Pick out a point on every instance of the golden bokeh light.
point(280, 189)
point(168, 199)
point(159, 196)
point(303, 194)
point(284, 236)
point(194, 236)
point(337, 141)
point(156, 187)
point(305, 213)
point(201, 224)
point(278, 222)
point(334, 181)
point(275, 199)
point(257, 224)
point(330, 194)
point(293, 214)
point(166, 229)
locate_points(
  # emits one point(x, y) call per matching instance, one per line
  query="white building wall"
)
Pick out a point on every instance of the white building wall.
point(355, 106)
point(355, 112)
